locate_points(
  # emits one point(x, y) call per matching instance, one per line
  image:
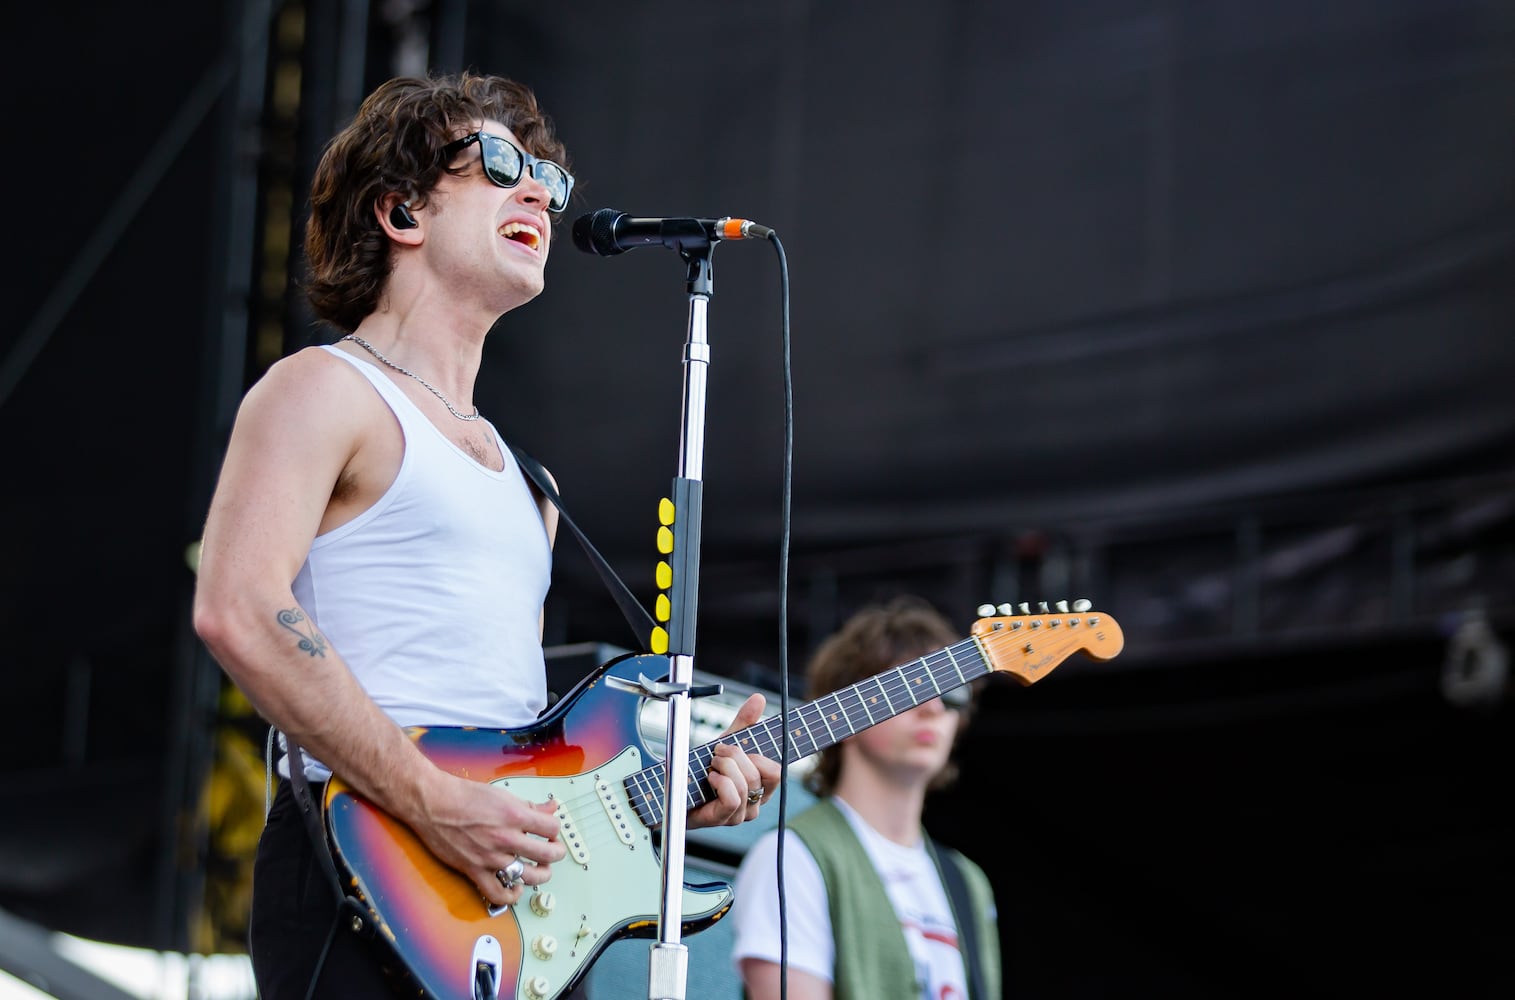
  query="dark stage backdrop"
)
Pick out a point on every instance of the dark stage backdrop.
point(1202, 311)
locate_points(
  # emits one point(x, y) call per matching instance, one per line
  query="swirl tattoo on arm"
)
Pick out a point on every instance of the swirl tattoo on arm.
point(311, 641)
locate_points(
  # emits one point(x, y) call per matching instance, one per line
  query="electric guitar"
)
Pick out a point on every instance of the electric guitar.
point(587, 754)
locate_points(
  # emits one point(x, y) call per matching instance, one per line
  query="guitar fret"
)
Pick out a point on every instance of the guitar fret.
point(639, 791)
point(930, 676)
point(886, 682)
point(806, 734)
point(760, 742)
point(842, 712)
point(824, 714)
point(955, 668)
point(699, 773)
point(908, 684)
point(856, 712)
point(941, 670)
point(772, 729)
point(801, 741)
point(881, 693)
point(864, 700)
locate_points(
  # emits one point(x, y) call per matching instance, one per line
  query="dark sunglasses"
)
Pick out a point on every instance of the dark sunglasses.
point(958, 698)
point(505, 164)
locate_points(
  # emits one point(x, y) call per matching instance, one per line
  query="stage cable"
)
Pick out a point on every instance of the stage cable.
point(784, 518)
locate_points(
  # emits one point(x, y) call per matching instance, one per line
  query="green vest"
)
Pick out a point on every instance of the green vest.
point(872, 959)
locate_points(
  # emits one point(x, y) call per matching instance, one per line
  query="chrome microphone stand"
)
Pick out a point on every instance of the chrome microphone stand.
point(609, 232)
point(668, 966)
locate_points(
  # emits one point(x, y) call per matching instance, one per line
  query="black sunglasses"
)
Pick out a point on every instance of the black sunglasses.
point(505, 164)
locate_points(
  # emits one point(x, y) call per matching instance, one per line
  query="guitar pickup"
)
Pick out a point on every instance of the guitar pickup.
point(568, 832)
point(615, 808)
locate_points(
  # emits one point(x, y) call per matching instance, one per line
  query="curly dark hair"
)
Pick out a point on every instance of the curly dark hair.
point(875, 638)
point(394, 143)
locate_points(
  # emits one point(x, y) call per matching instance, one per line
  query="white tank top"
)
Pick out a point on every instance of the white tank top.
point(433, 595)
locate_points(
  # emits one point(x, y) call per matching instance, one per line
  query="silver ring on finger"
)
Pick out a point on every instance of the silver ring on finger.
point(510, 875)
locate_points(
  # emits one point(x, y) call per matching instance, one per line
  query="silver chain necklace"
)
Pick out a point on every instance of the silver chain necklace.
point(406, 371)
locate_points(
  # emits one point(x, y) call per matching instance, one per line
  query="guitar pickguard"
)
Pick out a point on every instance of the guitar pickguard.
point(609, 885)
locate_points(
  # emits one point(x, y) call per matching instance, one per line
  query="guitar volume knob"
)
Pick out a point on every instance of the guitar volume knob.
point(538, 988)
point(542, 903)
point(544, 946)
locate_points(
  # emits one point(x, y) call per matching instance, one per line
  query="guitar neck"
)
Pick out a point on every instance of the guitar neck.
point(822, 723)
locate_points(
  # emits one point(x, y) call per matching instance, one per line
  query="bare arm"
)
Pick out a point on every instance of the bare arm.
point(762, 981)
point(305, 428)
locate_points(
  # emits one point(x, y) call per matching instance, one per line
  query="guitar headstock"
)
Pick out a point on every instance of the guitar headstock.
point(1028, 644)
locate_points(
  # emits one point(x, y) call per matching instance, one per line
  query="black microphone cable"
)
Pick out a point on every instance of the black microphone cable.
point(786, 491)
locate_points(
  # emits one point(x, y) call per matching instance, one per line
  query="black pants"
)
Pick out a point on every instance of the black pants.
point(293, 909)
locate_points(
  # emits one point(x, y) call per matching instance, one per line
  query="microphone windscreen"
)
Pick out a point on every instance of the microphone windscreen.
point(595, 232)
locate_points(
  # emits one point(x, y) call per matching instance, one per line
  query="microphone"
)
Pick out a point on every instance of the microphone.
point(608, 232)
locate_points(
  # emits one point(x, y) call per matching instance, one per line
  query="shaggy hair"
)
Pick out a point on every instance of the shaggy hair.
point(394, 143)
point(877, 637)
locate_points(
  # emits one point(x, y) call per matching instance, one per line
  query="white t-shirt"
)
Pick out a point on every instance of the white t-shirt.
point(909, 877)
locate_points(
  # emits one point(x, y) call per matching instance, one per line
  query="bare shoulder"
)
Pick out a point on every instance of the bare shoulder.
point(307, 401)
point(311, 377)
point(311, 388)
point(294, 439)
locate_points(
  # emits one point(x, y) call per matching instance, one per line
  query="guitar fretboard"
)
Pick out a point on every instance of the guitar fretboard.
point(827, 720)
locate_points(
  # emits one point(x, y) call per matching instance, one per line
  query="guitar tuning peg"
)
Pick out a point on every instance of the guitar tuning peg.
point(1042, 607)
point(985, 610)
point(1062, 606)
point(1081, 605)
point(1007, 609)
point(1025, 608)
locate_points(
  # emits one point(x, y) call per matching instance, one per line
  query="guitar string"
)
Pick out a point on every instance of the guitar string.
point(900, 688)
point(896, 685)
point(901, 691)
point(899, 685)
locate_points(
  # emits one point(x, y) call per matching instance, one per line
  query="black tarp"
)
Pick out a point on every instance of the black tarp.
point(1199, 310)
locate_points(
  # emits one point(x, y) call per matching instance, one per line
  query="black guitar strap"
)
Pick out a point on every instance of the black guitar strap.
point(306, 800)
point(350, 912)
point(967, 923)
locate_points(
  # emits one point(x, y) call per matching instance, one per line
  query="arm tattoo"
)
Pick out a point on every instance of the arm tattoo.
point(311, 641)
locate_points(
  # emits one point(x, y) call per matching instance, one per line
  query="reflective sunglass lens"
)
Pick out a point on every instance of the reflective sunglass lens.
point(554, 180)
point(502, 161)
